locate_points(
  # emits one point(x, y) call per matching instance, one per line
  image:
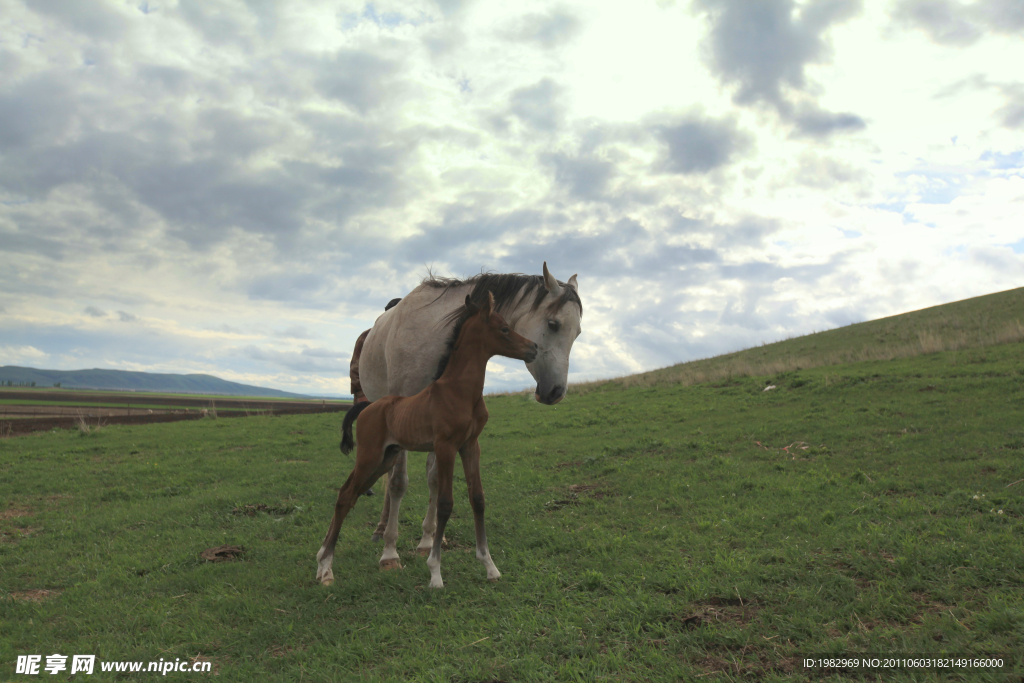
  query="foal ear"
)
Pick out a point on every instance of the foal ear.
point(470, 306)
point(488, 305)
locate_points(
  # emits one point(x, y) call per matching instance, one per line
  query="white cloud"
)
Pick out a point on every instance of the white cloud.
point(17, 355)
point(239, 191)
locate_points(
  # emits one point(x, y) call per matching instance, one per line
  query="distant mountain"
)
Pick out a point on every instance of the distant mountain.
point(123, 380)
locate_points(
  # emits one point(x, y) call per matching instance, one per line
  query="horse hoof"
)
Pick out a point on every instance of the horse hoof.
point(422, 552)
point(386, 565)
point(376, 537)
point(327, 582)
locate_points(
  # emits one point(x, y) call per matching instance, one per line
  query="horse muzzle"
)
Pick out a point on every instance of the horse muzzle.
point(551, 396)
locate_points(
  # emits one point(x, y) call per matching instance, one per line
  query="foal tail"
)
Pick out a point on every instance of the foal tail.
point(347, 442)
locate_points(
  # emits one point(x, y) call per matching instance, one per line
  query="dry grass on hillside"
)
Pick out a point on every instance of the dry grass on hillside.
point(747, 364)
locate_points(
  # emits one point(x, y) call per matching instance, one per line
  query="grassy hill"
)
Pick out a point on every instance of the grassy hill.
point(670, 532)
point(122, 380)
point(955, 327)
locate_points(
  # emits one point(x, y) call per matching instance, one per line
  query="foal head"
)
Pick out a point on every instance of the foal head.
point(486, 328)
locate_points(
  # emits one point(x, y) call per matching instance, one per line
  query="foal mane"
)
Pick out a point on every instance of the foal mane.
point(506, 288)
point(464, 315)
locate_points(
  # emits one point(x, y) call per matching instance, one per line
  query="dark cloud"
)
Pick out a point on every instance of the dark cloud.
point(538, 105)
point(699, 145)
point(216, 25)
point(40, 109)
point(549, 30)
point(288, 286)
point(816, 123)
point(762, 47)
point(944, 21)
point(96, 21)
point(1012, 113)
point(33, 236)
point(950, 22)
point(825, 172)
point(585, 177)
point(95, 312)
point(627, 249)
point(362, 80)
point(127, 317)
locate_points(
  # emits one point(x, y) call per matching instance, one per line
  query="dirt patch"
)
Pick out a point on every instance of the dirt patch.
point(222, 553)
point(17, 534)
point(718, 611)
point(595, 491)
point(566, 465)
point(38, 595)
point(747, 668)
point(253, 510)
point(284, 650)
point(11, 513)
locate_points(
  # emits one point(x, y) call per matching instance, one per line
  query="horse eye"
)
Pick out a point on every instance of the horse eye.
point(504, 330)
point(553, 325)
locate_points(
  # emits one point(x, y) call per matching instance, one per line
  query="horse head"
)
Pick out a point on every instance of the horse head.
point(554, 324)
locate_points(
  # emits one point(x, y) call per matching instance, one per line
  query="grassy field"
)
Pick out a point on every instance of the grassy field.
point(668, 532)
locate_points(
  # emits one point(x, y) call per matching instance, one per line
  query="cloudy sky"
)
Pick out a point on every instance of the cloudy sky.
point(238, 187)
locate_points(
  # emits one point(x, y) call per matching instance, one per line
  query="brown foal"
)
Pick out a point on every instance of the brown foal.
point(447, 418)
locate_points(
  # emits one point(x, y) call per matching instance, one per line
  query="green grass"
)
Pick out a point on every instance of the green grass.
point(655, 533)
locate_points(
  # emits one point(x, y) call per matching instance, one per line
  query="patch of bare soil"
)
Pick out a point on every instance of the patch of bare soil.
point(12, 512)
point(38, 595)
point(748, 668)
point(222, 553)
point(252, 510)
point(719, 610)
point(565, 465)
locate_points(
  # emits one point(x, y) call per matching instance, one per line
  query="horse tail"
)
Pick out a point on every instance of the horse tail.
point(347, 442)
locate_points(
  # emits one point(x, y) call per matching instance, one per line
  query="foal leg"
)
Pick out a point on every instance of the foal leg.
point(445, 471)
point(385, 509)
point(371, 463)
point(471, 467)
point(398, 483)
point(430, 520)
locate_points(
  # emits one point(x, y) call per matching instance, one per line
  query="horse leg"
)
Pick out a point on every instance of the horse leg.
point(398, 483)
point(471, 467)
point(430, 520)
point(445, 471)
point(378, 533)
point(368, 468)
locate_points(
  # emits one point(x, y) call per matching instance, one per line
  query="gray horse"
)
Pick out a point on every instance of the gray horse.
point(400, 356)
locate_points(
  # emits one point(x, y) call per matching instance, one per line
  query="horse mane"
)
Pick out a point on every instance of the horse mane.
point(506, 288)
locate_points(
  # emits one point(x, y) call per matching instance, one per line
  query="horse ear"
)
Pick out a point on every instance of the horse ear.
point(470, 306)
point(550, 282)
point(572, 282)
